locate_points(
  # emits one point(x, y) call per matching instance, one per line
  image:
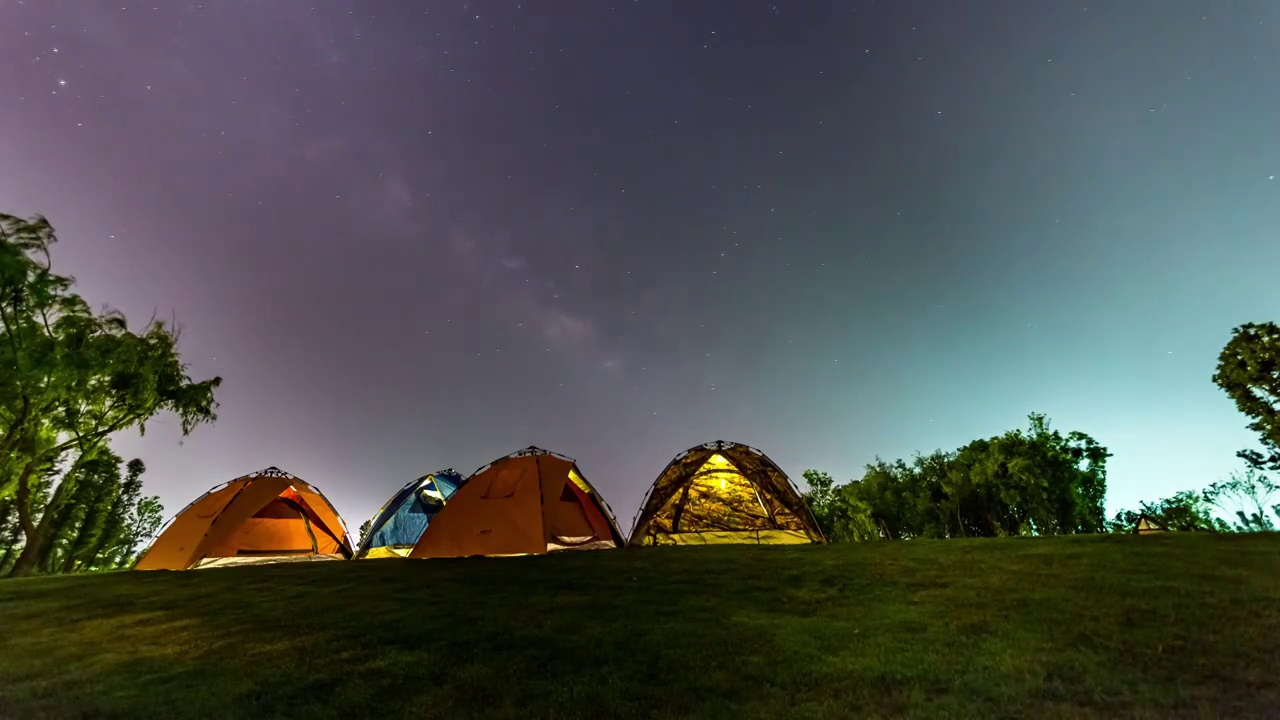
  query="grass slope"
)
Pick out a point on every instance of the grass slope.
point(1159, 626)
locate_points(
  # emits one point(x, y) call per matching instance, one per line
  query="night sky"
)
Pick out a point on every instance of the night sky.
point(419, 235)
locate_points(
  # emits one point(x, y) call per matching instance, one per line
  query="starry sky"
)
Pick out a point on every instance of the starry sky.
point(420, 235)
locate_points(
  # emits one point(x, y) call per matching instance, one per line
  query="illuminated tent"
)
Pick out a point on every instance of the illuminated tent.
point(399, 524)
point(532, 501)
point(723, 492)
point(1146, 526)
point(263, 517)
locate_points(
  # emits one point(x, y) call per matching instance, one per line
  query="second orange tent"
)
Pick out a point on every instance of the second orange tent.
point(529, 502)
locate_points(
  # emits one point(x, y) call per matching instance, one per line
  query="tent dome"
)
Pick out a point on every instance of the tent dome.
point(529, 502)
point(263, 517)
point(723, 492)
point(398, 525)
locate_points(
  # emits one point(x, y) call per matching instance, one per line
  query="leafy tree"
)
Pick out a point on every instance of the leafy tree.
point(1249, 497)
point(819, 497)
point(1249, 372)
point(80, 523)
point(114, 545)
point(852, 521)
point(69, 378)
point(144, 524)
point(364, 529)
point(1185, 511)
point(1033, 482)
point(10, 535)
point(841, 518)
point(102, 524)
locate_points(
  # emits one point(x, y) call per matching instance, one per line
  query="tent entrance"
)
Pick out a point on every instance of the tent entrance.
point(281, 528)
point(720, 499)
point(723, 492)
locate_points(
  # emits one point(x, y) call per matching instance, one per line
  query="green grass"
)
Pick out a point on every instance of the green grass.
point(1178, 625)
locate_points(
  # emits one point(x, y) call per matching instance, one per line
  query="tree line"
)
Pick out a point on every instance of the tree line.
point(70, 379)
point(1039, 481)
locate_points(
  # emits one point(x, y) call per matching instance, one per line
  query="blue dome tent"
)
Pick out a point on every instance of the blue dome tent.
point(398, 525)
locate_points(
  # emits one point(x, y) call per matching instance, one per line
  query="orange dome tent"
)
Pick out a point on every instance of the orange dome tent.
point(723, 492)
point(263, 517)
point(530, 502)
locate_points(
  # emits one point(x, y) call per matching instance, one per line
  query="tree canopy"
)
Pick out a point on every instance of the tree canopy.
point(1249, 498)
point(1033, 482)
point(1249, 372)
point(70, 378)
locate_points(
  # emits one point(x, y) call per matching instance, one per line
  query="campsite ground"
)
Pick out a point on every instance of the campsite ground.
point(1175, 625)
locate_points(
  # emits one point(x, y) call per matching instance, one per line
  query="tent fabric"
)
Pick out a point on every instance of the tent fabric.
point(530, 502)
point(723, 492)
point(266, 516)
point(214, 562)
point(1146, 525)
point(399, 524)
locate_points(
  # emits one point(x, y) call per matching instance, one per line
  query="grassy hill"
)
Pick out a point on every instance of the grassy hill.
point(1159, 626)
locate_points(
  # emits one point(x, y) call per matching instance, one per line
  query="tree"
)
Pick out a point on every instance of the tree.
point(1249, 497)
point(841, 517)
point(81, 523)
point(10, 534)
point(852, 521)
point(364, 530)
point(1249, 372)
point(115, 544)
point(102, 524)
point(144, 524)
point(819, 497)
point(1033, 482)
point(1038, 482)
point(69, 378)
point(1185, 511)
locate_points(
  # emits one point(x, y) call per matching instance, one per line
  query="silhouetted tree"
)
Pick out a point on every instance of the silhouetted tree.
point(1249, 372)
point(1249, 497)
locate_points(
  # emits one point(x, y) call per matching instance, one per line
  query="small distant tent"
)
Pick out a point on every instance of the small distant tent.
point(399, 524)
point(1146, 526)
point(264, 517)
point(530, 502)
point(721, 493)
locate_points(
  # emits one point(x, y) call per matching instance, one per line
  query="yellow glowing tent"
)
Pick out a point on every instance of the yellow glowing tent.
point(723, 492)
point(530, 502)
point(263, 517)
point(1146, 526)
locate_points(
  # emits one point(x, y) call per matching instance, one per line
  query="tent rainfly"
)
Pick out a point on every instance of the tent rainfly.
point(530, 502)
point(720, 493)
point(400, 523)
point(264, 517)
